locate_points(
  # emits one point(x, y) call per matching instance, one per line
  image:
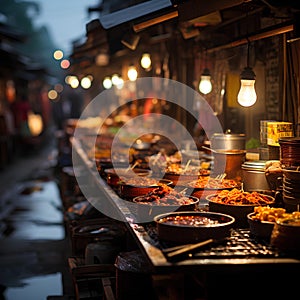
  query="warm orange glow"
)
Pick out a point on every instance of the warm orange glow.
point(52, 94)
point(58, 54)
point(10, 91)
point(74, 82)
point(132, 73)
point(146, 61)
point(35, 123)
point(68, 79)
point(65, 64)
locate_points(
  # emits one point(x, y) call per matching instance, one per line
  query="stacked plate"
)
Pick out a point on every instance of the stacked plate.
point(291, 187)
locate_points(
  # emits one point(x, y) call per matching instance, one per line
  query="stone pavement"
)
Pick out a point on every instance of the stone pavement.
point(33, 245)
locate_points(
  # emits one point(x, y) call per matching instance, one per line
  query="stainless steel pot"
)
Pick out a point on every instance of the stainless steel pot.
point(254, 177)
point(228, 141)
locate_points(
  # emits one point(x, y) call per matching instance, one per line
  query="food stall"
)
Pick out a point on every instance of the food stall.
point(230, 253)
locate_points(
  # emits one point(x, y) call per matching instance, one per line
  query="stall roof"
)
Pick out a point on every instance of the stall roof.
point(141, 14)
point(212, 24)
point(10, 33)
point(131, 10)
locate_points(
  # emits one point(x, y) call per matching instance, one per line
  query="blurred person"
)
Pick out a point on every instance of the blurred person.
point(20, 108)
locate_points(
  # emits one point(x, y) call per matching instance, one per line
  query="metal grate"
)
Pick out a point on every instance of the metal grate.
point(240, 244)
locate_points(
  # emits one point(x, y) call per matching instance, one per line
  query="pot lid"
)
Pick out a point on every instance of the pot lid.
point(257, 165)
point(229, 136)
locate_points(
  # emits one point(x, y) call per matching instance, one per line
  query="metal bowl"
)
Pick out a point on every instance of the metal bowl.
point(260, 229)
point(129, 191)
point(183, 234)
point(114, 175)
point(147, 210)
point(238, 211)
point(180, 179)
point(286, 235)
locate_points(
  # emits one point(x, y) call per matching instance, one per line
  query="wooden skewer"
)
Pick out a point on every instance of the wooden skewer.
point(131, 167)
point(188, 248)
point(187, 165)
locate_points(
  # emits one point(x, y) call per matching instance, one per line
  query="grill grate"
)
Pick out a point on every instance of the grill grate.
point(240, 244)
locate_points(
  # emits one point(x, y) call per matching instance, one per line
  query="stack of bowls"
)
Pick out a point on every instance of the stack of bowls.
point(291, 188)
point(290, 151)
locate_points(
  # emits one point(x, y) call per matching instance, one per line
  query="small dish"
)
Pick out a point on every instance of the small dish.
point(260, 229)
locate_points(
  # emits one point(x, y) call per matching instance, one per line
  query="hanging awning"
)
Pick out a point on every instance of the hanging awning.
point(130, 11)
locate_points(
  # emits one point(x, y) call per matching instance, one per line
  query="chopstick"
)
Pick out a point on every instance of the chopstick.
point(132, 167)
point(187, 165)
point(178, 251)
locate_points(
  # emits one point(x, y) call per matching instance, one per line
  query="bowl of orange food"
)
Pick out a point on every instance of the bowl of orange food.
point(164, 199)
point(180, 174)
point(263, 218)
point(238, 204)
point(206, 185)
point(115, 175)
point(138, 186)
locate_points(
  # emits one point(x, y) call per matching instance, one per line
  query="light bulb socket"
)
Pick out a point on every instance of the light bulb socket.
point(248, 74)
point(206, 72)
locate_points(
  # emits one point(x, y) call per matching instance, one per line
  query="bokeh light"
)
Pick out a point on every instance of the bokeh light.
point(65, 64)
point(58, 54)
point(52, 95)
point(86, 82)
point(74, 82)
point(107, 83)
point(59, 87)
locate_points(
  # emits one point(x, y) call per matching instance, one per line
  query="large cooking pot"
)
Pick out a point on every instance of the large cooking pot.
point(229, 162)
point(228, 141)
point(254, 177)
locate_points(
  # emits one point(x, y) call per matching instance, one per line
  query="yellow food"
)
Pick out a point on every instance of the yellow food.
point(272, 214)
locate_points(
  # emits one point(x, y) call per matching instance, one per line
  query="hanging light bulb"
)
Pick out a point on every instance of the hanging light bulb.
point(247, 95)
point(146, 61)
point(86, 82)
point(107, 83)
point(115, 79)
point(132, 73)
point(205, 86)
